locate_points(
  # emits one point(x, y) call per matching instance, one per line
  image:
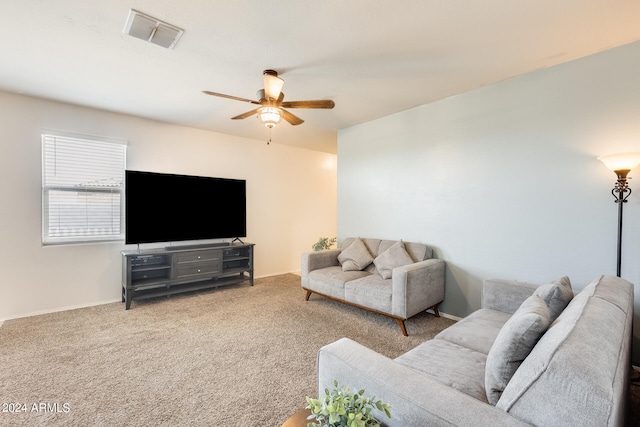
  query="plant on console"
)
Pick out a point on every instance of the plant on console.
point(324, 243)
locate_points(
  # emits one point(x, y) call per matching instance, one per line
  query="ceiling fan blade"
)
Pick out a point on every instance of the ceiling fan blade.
point(221, 95)
point(272, 84)
point(294, 120)
point(247, 114)
point(319, 103)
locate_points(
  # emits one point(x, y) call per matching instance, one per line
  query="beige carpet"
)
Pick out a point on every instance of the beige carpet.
point(234, 356)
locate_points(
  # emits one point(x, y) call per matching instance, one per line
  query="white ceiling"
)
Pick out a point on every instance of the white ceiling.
point(373, 58)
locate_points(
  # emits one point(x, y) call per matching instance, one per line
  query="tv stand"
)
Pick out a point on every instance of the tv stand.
point(161, 272)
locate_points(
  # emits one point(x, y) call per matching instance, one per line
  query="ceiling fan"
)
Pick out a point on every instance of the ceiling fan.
point(272, 104)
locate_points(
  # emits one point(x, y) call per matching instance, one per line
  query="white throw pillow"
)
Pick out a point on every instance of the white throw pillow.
point(395, 256)
point(356, 256)
point(514, 342)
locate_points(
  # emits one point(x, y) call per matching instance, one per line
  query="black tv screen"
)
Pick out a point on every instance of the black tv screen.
point(169, 208)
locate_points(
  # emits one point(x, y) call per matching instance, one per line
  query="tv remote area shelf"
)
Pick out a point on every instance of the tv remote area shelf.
point(159, 272)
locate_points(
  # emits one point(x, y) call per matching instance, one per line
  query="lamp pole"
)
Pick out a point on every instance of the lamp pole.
point(621, 193)
point(621, 164)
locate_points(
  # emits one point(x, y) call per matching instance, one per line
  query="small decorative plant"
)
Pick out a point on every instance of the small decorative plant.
point(324, 243)
point(340, 408)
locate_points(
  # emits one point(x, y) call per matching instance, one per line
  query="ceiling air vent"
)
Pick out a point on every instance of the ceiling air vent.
point(152, 30)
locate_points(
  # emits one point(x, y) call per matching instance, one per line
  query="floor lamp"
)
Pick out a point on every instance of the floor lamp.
point(621, 164)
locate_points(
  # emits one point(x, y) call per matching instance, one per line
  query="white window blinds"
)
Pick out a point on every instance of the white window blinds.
point(82, 189)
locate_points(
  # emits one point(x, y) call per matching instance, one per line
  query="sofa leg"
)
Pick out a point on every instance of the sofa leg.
point(306, 298)
point(402, 327)
point(435, 310)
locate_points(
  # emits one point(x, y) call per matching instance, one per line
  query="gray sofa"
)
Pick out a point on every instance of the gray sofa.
point(395, 278)
point(509, 363)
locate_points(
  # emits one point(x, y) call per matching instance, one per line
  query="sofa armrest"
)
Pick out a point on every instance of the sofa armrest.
point(417, 287)
point(415, 399)
point(316, 260)
point(505, 295)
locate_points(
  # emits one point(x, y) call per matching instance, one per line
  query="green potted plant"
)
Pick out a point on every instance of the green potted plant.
point(341, 408)
point(324, 243)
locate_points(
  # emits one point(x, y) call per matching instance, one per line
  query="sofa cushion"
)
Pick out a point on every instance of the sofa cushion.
point(556, 295)
point(395, 256)
point(449, 364)
point(355, 257)
point(371, 291)
point(330, 280)
point(477, 331)
point(513, 344)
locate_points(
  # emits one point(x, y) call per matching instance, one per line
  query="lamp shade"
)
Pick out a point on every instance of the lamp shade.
point(621, 161)
point(269, 116)
point(272, 84)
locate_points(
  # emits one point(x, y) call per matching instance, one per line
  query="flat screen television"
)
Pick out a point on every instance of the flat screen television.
point(173, 208)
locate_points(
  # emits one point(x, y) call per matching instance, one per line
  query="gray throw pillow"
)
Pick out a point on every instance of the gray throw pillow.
point(556, 295)
point(514, 342)
point(356, 256)
point(395, 256)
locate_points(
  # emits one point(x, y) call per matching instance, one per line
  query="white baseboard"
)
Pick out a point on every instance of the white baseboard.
point(450, 316)
point(276, 274)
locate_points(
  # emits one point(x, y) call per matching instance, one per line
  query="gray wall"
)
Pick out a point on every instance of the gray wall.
point(503, 181)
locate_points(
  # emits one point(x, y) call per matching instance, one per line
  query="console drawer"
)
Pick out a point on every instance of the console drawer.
point(198, 269)
point(199, 256)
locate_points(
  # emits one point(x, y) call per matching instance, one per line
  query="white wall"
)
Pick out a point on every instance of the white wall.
point(503, 181)
point(291, 200)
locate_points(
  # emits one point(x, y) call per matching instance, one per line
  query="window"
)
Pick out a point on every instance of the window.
point(82, 189)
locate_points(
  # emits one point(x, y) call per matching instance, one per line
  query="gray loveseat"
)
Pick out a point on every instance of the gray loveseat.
point(395, 278)
point(482, 370)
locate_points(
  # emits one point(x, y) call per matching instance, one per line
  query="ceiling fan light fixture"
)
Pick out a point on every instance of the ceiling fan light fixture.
point(269, 116)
